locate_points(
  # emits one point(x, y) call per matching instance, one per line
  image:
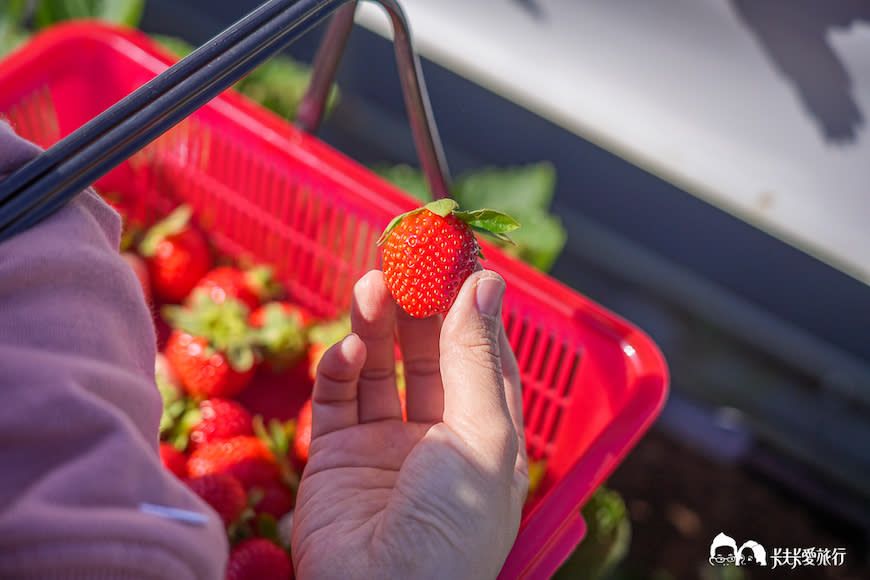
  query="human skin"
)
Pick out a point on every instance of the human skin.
point(438, 496)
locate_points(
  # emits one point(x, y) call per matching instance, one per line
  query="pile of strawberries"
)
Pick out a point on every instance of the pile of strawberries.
point(224, 330)
point(227, 332)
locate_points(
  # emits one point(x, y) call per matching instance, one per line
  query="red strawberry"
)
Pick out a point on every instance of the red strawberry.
point(223, 492)
point(273, 498)
point(211, 347)
point(204, 371)
point(246, 457)
point(302, 437)
point(259, 559)
point(250, 287)
point(177, 255)
point(429, 252)
point(137, 264)
point(173, 459)
point(220, 418)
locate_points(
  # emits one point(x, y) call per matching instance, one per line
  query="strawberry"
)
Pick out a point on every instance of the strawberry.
point(177, 255)
point(212, 347)
point(302, 437)
point(205, 371)
point(137, 264)
point(429, 252)
point(258, 559)
point(246, 457)
point(281, 332)
point(250, 287)
point(272, 498)
point(173, 459)
point(220, 418)
point(303, 318)
point(223, 492)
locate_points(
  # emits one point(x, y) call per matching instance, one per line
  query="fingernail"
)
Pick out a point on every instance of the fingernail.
point(488, 296)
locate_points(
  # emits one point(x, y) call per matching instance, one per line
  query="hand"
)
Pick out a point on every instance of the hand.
point(438, 496)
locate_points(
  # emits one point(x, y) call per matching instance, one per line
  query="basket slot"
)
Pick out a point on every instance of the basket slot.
point(549, 364)
point(257, 208)
point(35, 118)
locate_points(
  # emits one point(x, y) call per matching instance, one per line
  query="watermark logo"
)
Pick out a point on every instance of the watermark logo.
point(724, 551)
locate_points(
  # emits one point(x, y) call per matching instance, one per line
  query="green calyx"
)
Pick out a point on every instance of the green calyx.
point(329, 333)
point(277, 436)
point(262, 281)
point(281, 335)
point(172, 224)
point(484, 221)
point(224, 326)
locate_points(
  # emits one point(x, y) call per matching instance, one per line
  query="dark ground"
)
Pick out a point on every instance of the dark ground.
point(679, 499)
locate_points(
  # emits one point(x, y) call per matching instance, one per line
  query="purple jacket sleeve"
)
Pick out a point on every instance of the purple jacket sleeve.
point(80, 410)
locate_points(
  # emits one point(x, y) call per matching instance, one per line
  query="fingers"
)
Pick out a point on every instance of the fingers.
point(334, 399)
point(475, 402)
point(418, 339)
point(373, 319)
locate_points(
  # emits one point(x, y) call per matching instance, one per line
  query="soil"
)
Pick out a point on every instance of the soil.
point(679, 500)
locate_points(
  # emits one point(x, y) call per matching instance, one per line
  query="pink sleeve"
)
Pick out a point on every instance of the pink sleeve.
point(80, 410)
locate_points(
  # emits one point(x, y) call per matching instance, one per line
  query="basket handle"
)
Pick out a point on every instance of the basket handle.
point(43, 185)
point(426, 139)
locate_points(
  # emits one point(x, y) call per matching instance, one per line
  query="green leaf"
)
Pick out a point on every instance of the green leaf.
point(241, 357)
point(14, 11)
point(504, 238)
point(173, 44)
point(126, 12)
point(442, 207)
point(13, 15)
point(406, 178)
point(267, 527)
point(489, 220)
point(508, 189)
point(279, 84)
point(172, 224)
point(607, 540)
point(526, 194)
point(540, 241)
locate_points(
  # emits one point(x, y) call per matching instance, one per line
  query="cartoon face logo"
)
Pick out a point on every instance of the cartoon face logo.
point(751, 553)
point(723, 550)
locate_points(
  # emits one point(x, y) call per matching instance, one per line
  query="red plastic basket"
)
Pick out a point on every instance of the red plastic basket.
point(592, 382)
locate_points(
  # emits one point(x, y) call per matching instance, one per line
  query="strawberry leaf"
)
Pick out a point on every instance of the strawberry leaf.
point(172, 224)
point(497, 235)
point(490, 220)
point(407, 178)
point(241, 357)
point(267, 527)
point(442, 207)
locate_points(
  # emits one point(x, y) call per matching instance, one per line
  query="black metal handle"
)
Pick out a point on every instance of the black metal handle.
point(45, 184)
point(310, 112)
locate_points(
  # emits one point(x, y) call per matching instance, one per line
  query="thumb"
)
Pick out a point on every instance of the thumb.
point(475, 406)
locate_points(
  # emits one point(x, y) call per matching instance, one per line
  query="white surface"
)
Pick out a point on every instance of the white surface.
point(682, 88)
